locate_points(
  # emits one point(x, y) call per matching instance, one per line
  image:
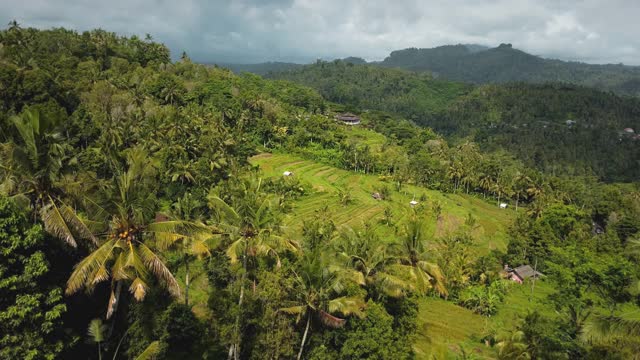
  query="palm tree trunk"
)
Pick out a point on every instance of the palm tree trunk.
point(304, 337)
point(186, 281)
point(234, 349)
point(114, 308)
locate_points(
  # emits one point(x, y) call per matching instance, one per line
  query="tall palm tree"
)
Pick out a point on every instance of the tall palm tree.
point(368, 260)
point(30, 170)
point(412, 255)
point(317, 294)
point(196, 245)
point(126, 229)
point(249, 219)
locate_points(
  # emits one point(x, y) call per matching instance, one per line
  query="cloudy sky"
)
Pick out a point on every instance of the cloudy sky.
point(595, 31)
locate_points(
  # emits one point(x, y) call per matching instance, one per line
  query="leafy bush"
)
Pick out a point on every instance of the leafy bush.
point(484, 300)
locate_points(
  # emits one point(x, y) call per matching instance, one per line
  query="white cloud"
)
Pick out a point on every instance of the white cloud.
point(257, 30)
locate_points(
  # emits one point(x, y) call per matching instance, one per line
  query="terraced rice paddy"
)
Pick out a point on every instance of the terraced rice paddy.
point(326, 182)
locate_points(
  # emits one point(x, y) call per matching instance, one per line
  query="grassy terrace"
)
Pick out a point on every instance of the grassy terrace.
point(442, 325)
point(326, 181)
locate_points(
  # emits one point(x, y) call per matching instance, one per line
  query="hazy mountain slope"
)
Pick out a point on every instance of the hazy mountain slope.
point(260, 68)
point(506, 64)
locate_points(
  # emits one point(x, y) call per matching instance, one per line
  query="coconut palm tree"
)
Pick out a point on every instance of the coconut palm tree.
point(412, 256)
point(367, 260)
point(197, 245)
point(615, 328)
point(317, 294)
point(250, 219)
point(30, 172)
point(126, 228)
point(511, 346)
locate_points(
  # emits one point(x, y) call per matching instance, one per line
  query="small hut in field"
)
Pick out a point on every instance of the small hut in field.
point(521, 273)
point(348, 118)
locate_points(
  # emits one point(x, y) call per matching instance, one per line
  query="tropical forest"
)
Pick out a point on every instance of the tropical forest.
point(157, 207)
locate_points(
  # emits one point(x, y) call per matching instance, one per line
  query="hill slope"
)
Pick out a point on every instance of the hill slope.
point(506, 64)
point(529, 120)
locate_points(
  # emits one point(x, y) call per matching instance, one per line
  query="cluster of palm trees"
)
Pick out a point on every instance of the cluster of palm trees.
point(469, 171)
point(115, 221)
point(115, 217)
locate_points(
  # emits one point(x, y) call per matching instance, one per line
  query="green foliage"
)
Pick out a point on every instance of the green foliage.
point(417, 96)
point(530, 121)
point(477, 64)
point(372, 337)
point(31, 308)
point(108, 141)
point(484, 299)
point(179, 329)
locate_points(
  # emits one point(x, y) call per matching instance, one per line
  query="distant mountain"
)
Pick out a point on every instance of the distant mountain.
point(354, 60)
point(481, 65)
point(260, 68)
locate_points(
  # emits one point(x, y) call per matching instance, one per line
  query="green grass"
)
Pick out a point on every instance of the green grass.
point(443, 326)
point(326, 181)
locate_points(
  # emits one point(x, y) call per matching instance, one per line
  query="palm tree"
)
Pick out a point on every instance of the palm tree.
point(126, 228)
point(366, 257)
point(412, 256)
point(317, 294)
point(197, 245)
point(96, 332)
point(512, 347)
point(615, 328)
point(30, 172)
point(250, 220)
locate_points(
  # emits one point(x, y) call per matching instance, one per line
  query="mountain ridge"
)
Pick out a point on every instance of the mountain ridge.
point(478, 64)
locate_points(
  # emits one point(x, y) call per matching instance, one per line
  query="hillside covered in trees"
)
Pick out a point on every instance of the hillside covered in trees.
point(159, 209)
point(505, 64)
point(553, 127)
point(477, 64)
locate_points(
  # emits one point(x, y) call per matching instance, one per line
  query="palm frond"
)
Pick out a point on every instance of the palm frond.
point(393, 285)
point(223, 209)
point(28, 126)
point(55, 223)
point(347, 305)
point(152, 351)
point(607, 328)
point(158, 268)
point(349, 275)
point(77, 223)
point(87, 271)
point(185, 228)
point(96, 330)
point(119, 268)
point(139, 289)
point(200, 249)
point(235, 250)
point(436, 278)
point(293, 310)
point(330, 320)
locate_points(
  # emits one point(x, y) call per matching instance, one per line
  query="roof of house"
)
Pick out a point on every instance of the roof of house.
point(526, 271)
point(347, 117)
